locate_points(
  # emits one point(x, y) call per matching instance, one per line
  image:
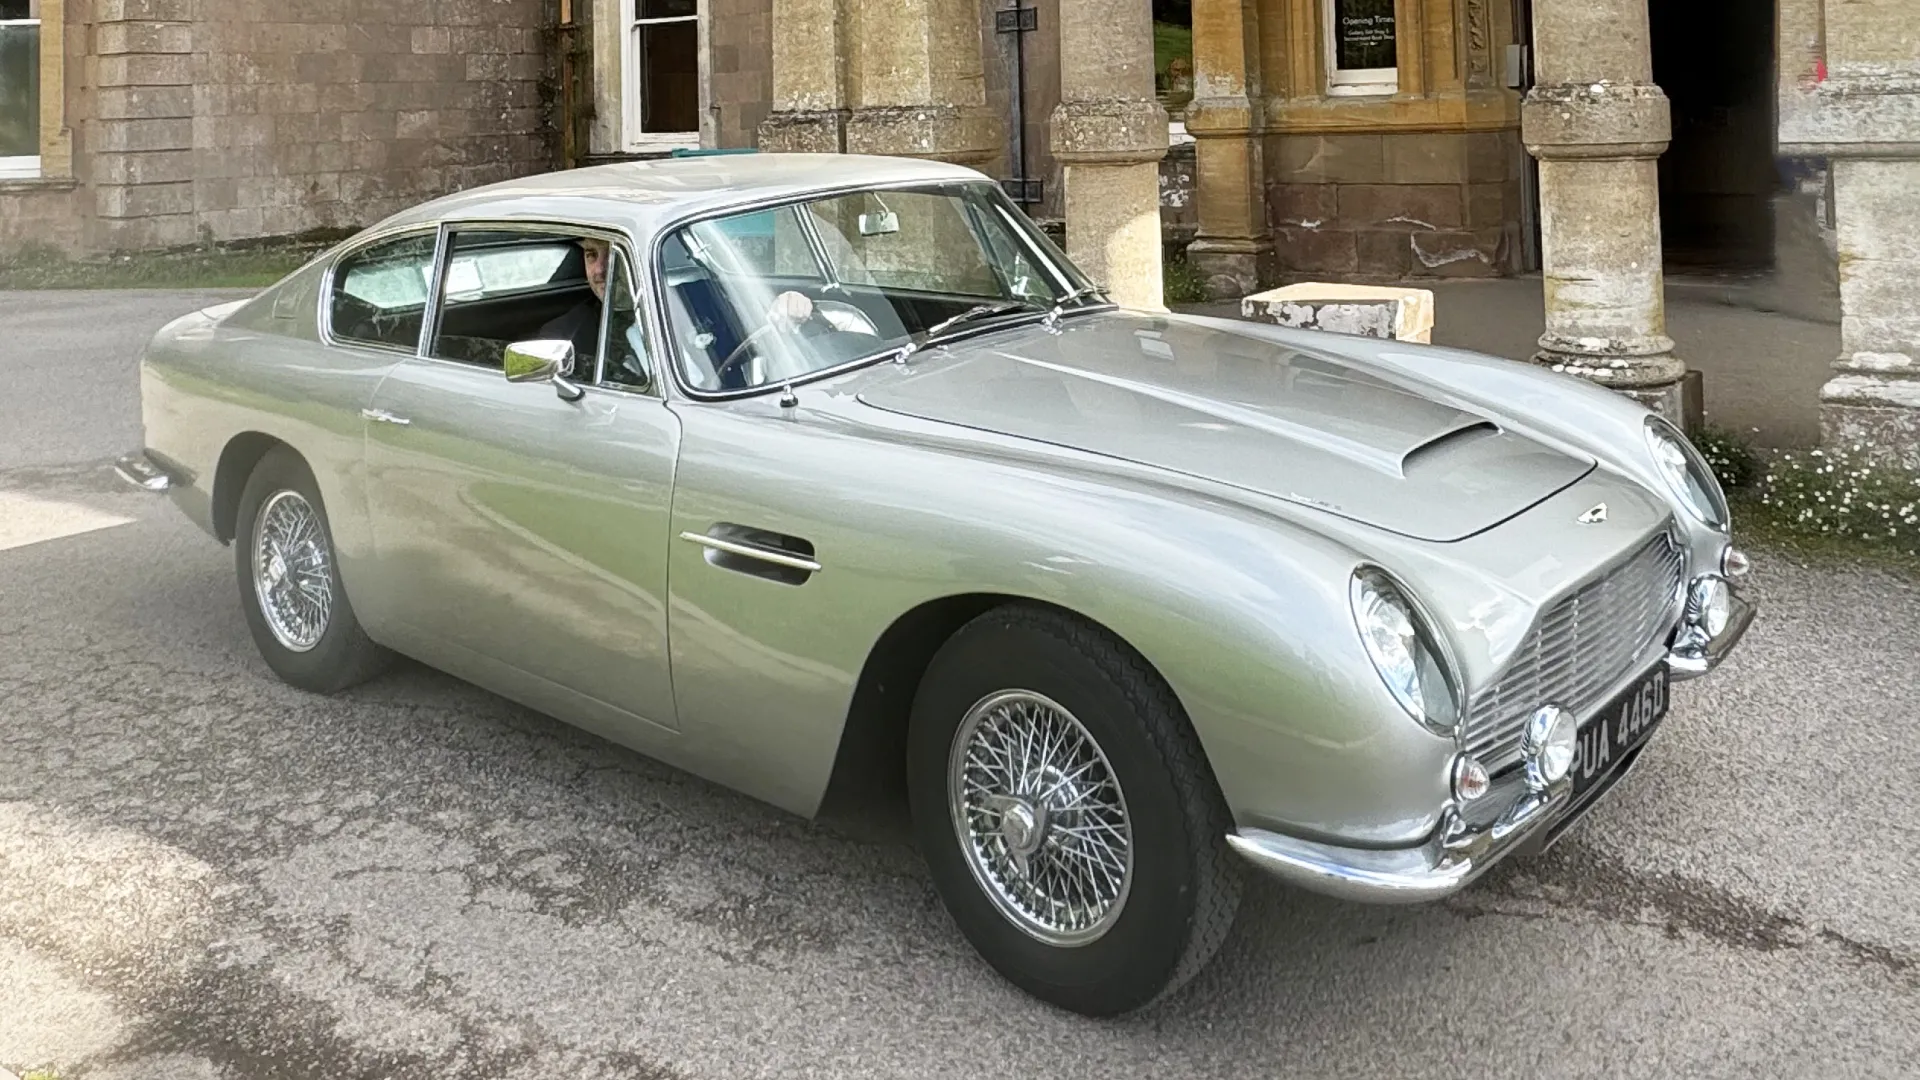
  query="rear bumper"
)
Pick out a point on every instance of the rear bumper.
point(141, 470)
point(1458, 853)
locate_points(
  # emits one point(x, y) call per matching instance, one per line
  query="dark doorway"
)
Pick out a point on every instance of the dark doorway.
point(1714, 59)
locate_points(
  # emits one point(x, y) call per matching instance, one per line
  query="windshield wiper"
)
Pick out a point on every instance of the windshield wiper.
point(978, 312)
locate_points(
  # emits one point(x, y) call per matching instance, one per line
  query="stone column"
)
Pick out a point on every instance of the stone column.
point(809, 113)
point(902, 78)
point(1873, 400)
point(1232, 250)
point(1109, 134)
point(1849, 92)
point(1598, 125)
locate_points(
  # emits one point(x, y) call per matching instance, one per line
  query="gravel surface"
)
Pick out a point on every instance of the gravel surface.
point(207, 874)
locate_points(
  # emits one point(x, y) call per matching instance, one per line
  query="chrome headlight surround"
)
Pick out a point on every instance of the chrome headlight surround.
point(1687, 474)
point(1409, 658)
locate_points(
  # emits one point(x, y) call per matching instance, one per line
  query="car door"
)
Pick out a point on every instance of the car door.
point(522, 536)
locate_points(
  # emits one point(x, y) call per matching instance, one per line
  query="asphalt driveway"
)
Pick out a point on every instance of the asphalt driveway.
point(204, 873)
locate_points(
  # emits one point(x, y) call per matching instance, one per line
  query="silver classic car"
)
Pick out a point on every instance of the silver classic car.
point(806, 471)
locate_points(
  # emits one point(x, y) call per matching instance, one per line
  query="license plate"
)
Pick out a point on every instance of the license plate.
point(1625, 722)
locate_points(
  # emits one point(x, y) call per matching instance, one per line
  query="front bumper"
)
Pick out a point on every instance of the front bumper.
point(1458, 853)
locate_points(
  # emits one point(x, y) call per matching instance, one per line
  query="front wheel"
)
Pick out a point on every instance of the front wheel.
point(290, 583)
point(1066, 813)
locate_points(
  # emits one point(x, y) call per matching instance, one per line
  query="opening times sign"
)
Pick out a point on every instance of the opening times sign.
point(1363, 34)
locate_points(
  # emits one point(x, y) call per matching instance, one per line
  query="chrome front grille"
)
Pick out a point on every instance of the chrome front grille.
point(1582, 646)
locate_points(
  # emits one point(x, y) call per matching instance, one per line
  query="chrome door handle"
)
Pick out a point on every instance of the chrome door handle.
point(751, 551)
point(384, 417)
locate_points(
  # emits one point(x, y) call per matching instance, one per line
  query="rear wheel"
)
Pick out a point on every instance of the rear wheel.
point(1066, 813)
point(290, 587)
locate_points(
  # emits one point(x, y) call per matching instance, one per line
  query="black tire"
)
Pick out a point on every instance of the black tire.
point(343, 656)
point(1185, 886)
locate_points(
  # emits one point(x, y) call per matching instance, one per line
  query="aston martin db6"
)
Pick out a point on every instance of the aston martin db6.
point(798, 471)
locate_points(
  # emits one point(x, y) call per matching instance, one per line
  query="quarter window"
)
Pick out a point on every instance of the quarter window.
point(508, 285)
point(380, 292)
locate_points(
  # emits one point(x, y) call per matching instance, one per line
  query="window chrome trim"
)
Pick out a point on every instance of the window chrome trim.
point(668, 225)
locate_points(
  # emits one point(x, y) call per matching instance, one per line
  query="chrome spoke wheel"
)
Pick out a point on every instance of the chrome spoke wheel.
point(1041, 819)
point(292, 571)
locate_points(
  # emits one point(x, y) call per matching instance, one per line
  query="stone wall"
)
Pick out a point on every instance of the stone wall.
point(740, 52)
point(1386, 206)
point(224, 120)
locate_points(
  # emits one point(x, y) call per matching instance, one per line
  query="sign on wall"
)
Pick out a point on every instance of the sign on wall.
point(1363, 34)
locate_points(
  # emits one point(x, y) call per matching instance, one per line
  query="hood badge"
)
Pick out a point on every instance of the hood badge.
point(1594, 516)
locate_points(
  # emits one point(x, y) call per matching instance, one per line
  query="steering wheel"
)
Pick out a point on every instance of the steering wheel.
point(790, 310)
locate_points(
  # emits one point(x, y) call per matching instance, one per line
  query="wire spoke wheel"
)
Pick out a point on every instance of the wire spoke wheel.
point(1041, 819)
point(292, 571)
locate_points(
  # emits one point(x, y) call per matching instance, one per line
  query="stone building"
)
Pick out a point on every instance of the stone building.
point(1599, 143)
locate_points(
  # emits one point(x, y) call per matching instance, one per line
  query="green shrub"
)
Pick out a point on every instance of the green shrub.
point(1733, 462)
point(1184, 284)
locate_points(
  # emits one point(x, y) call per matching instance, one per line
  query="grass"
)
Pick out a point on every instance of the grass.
point(41, 267)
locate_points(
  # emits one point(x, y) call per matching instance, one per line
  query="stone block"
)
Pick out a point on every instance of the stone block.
point(112, 11)
point(122, 38)
point(174, 69)
point(1306, 205)
point(1341, 159)
point(1457, 253)
point(145, 233)
point(1384, 253)
point(432, 39)
point(159, 167)
point(1877, 413)
point(1428, 206)
point(127, 136)
point(143, 200)
point(1424, 158)
point(144, 102)
point(1318, 251)
point(488, 66)
point(1398, 314)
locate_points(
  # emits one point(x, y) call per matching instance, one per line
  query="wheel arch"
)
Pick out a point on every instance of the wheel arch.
point(869, 770)
point(238, 458)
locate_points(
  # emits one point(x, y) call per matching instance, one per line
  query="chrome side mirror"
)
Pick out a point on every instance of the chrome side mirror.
point(543, 360)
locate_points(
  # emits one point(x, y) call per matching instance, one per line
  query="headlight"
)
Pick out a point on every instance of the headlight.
point(1687, 474)
point(1403, 651)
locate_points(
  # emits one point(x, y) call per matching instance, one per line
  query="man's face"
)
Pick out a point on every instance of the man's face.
point(596, 266)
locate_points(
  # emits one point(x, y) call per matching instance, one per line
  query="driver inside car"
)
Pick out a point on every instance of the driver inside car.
point(580, 324)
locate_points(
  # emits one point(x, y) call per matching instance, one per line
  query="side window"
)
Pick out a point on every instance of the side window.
point(380, 292)
point(627, 363)
point(507, 285)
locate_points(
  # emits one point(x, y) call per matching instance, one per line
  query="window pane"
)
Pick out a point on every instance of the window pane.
point(665, 9)
point(669, 77)
point(1363, 34)
point(19, 90)
point(19, 9)
point(906, 240)
point(503, 287)
point(380, 293)
point(627, 363)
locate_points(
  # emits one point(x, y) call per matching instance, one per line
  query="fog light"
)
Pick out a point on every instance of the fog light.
point(1470, 779)
point(1710, 605)
point(1550, 743)
point(1735, 563)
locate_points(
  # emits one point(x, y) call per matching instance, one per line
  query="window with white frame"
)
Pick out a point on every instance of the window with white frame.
point(19, 88)
point(662, 73)
point(1362, 47)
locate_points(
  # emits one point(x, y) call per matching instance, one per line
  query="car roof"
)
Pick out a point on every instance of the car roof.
point(640, 196)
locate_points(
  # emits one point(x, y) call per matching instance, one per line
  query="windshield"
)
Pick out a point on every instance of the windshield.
point(765, 297)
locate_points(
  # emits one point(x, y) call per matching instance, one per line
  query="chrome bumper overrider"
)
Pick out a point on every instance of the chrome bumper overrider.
point(140, 470)
point(1458, 853)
